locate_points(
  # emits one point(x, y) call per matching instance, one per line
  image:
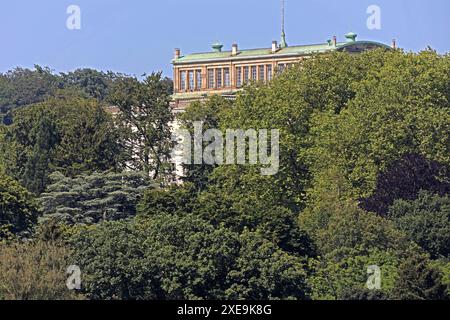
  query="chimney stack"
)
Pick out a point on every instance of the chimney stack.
point(394, 44)
point(177, 53)
point(335, 41)
point(234, 50)
point(274, 46)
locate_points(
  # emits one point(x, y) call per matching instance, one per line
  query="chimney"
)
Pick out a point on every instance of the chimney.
point(394, 44)
point(335, 41)
point(274, 46)
point(234, 49)
point(177, 53)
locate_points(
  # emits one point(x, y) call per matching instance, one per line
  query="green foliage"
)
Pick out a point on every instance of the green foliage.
point(277, 224)
point(34, 271)
point(356, 294)
point(443, 267)
point(172, 200)
point(88, 199)
point(208, 112)
point(386, 139)
point(262, 271)
point(94, 84)
point(66, 133)
point(394, 112)
point(348, 241)
point(334, 222)
point(419, 280)
point(360, 136)
point(173, 257)
point(350, 227)
point(144, 120)
point(21, 87)
point(238, 212)
point(426, 221)
point(342, 274)
point(404, 179)
point(18, 209)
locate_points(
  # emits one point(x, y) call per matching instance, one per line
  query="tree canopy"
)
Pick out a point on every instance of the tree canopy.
point(362, 189)
point(88, 199)
point(65, 133)
point(18, 209)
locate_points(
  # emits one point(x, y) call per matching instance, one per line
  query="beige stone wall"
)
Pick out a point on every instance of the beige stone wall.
point(232, 66)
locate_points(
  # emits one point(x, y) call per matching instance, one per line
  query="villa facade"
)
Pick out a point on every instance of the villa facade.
point(197, 76)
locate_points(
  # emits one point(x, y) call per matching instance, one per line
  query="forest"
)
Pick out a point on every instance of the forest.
point(363, 180)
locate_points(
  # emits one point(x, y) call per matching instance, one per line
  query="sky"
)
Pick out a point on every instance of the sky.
point(139, 36)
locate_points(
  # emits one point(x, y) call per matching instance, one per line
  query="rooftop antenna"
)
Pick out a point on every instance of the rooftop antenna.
point(283, 43)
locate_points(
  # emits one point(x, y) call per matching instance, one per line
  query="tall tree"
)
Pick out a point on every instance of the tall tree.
point(95, 84)
point(18, 209)
point(419, 280)
point(65, 133)
point(393, 114)
point(21, 87)
point(89, 199)
point(165, 257)
point(207, 112)
point(404, 179)
point(35, 271)
point(145, 119)
point(426, 221)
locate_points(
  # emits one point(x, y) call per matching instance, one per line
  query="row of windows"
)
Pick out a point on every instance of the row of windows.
point(254, 73)
point(192, 78)
point(219, 78)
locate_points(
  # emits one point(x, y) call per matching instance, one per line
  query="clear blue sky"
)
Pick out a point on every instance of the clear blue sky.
point(138, 36)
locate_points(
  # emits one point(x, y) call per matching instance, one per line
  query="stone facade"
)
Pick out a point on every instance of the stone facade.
point(196, 76)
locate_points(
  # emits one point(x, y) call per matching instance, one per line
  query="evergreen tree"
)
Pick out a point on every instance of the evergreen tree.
point(89, 199)
point(65, 133)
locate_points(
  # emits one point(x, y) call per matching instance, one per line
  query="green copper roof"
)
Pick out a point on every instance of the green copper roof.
point(351, 36)
point(267, 52)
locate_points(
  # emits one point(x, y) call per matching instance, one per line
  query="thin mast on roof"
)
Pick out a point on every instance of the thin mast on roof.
point(283, 43)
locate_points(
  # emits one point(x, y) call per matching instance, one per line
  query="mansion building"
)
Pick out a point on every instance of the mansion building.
point(197, 76)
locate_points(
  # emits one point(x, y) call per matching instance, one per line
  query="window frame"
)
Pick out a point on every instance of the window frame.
point(191, 80)
point(239, 77)
point(183, 80)
point(211, 79)
point(226, 77)
point(198, 80)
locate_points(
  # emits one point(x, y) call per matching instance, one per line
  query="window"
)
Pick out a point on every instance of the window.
point(211, 79)
point(246, 74)
point(254, 73)
point(219, 78)
point(238, 77)
point(281, 67)
point(261, 73)
point(183, 80)
point(191, 80)
point(226, 76)
point(269, 72)
point(198, 77)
